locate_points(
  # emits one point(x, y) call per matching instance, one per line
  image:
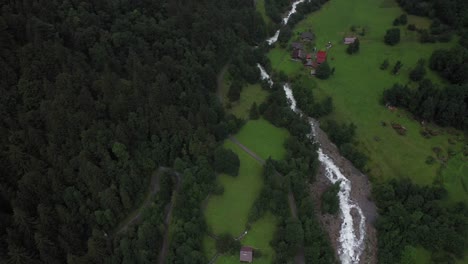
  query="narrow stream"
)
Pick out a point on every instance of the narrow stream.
point(351, 242)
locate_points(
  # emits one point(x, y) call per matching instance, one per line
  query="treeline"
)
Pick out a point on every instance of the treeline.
point(415, 215)
point(343, 135)
point(451, 12)
point(445, 106)
point(306, 102)
point(292, 175)
point(95, 97)
point(452, 64)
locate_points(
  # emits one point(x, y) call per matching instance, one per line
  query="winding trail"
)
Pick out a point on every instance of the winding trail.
point(153, 189)
point(165, 246)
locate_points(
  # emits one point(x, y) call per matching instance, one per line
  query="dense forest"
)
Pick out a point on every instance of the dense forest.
point(446, 107)
point(415, 215)
point(451, 12)
point(96, 95)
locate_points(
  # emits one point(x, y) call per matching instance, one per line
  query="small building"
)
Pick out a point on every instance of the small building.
point(309, 56)
point(298, 54)
point(246, 254)
point(321, 56)
point(297, 45)
point(307, 36)
point(349, 40)
point(311, 64)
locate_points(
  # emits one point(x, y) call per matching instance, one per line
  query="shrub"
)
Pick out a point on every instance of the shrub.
point(392, 37)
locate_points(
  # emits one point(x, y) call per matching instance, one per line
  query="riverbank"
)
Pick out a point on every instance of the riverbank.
point(360, 194)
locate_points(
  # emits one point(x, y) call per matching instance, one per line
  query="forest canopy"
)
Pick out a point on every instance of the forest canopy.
point(96, 95)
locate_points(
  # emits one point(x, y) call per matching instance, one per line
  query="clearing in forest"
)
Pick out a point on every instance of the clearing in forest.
point(358, 83)
point(228, 213)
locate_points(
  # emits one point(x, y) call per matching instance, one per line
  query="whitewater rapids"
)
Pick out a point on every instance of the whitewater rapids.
point(351, 243)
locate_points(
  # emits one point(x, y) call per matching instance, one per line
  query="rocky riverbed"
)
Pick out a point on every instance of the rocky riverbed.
point(360, 194)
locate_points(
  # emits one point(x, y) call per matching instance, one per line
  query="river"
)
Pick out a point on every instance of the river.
point(353, 229)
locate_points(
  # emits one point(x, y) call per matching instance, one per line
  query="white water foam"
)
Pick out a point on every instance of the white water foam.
point(351, 246)
point(293, 10)
point(264, 75)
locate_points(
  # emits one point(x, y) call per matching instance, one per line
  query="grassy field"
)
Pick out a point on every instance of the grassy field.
point(227, 213)
point(209, 247)
point(263, 138)
point(240, 192)
point(250, 94)
point(259, 238)
point(358, 83)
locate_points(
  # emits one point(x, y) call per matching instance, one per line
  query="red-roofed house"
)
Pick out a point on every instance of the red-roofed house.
point(321, 56)
point(246, 254)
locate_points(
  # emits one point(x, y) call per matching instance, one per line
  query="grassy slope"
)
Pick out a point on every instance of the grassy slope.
point(240, 192)
point(358, 83)
point(227, 213)
point(259, 238)
point(263, 138)
point(249, 95)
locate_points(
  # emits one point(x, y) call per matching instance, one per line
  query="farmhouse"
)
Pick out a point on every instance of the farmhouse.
point(246, 254)
point(298, 54)
point(297, 45)
point(321, 56)
point(307, 36)
point(349, 40)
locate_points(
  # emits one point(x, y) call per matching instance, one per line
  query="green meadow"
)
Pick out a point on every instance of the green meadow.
point(263, 138)
point(259, 237)
point(358, 83)
point(250, 94)
point(227, 213)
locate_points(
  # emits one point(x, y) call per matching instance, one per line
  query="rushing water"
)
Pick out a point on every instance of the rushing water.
point(273, 39)
point(351, 243)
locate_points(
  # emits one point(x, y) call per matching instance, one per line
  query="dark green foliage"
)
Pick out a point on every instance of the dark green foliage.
point(339, 134)
point(323, 71)
point(451, 12)
point(392, 37)
point(417, 74)
point(451, 64)
point(414, 215)
point(95, 96)
point(285, 34)
point(343, 136)
point(305, 101)
point(234, 91)
point(411, 27)
point(226, 244)
point(401, 20)
point(384, 65)
point(330, 199)
point(447, 107)
point(397, 67)
point(297, 171)
point(253, 113)
point(226, 161)
point(353, 47)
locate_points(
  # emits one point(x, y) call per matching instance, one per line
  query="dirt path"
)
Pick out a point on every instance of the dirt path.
point(165, 246)
point(360, 193)
point(153, 189)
